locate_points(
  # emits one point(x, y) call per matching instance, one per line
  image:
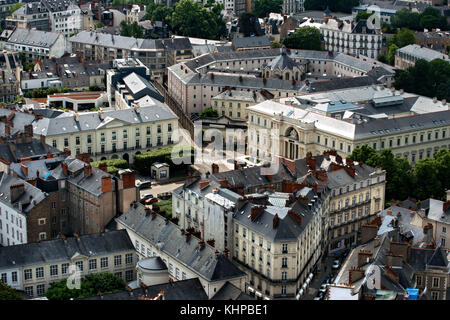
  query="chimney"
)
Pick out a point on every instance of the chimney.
point(446, 205)
point(106, 184)
point(87, 170)
point(364, 257)
point(65, 168)
point(188, 236)
point(217, 254)
point(103, 166)
point(67, 152)
point(275, 221)
point(201, 244)
point(76, 235)
point(129, 179)
point(354, 274)
point(24, 169)
point(255, 211)
point(7, 130)
point(391, 274)
point(85, 157)
point(28, 129)
point(215, 168)
point(147, 211)
point(393, 260)
point(227, 253)
point(15, 191)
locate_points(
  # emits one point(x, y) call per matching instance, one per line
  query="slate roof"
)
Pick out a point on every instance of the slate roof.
point(36, 38)
point(421, 52)
point(190, 289)
point(420, 258)
point(231, 292)
point(140, 86)
point(66, 124)
point(434, 210)
point(33, 149)
point(282, 62)
point(203, 262)
point(59, 250)
point(152, 263)
point(30, 198)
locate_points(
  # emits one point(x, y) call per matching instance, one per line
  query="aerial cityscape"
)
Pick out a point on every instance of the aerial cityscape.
point(217, 150)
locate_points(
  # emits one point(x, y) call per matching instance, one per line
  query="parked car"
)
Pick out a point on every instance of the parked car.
point(144, 185)
point(151, 200)
point(336, 264)
point(146, 196)
point(323, 287)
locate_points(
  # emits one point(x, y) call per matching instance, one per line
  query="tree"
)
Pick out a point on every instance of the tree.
point(442, 158)
point(391, 54)
point(190, 19)
point(209, 113)
point(131, 30)
point(404, 18)
point(249, 25)
point(363, 15)
point(308, 38)
point(90, 286)
point(15, 7)
point(98, 25)
point(426, 171)
point(8, 293)
point(364, 154)
point(402, 38)
point(275, 44)
point(263, 7)
point(162, 13)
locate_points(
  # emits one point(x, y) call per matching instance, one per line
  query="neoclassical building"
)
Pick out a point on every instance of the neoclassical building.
point(285, 68)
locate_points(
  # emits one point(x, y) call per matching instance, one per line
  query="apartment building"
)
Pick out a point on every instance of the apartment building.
point(234, 103)
point(412, 126)
point(36, 44)
point(185, 255)
point(355, 38)
point(33, 15)
point(156, 54)
point(111, 134)
point(278, 241)
point(407, 56)
point(33, 267)
point(195, 82)
point(65, 16)
point(435, 214)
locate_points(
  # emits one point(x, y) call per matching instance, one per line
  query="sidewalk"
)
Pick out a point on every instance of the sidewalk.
point(325, 270)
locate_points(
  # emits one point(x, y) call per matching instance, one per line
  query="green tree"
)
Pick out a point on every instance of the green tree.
point(8, 293)
point(308, 38)
point(98, 25)
point(249, 25)
point(162, 13)
point(442, 158)
point(404, 18)
point(363, 15)
point(275, 44)
point(263, 7)
point(365, 154)
point(426, 172)
point(14, 7)
point(191, 19)
point(131, 30)
point(391, 54)
point(402, 38)
point(90, 286)
point(209, 113)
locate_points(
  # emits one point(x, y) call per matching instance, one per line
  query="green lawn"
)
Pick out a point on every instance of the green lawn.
point(166, 205)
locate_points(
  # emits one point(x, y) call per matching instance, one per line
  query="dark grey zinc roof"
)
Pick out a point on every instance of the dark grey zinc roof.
point(421, 257)
point(35, 38)
point(30, 194)
point(286, 230)
point(282, 62)
point(340, 83)
point(426, 120)
point(231, 292)
point(152, 263)
point(190, 289)
point(105, 40)
point(233, 80)
point(20, 119)
point(58, 250)
point(66, 123)
point(249, 42)
point(203, 262)
point(23, 150)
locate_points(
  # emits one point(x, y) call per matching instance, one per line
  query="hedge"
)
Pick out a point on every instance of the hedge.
point(144, 161)
point(113, 165)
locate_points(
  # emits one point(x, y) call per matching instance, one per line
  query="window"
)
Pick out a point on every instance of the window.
point(268, 246)
point(93, 264)
point(434, 295)
point(39, 272)
point(117, 260)
point(283, 290)
point(54, 270)
point(4, 278)
point(284, 263)
point(284, 248)
point(14, 276)
point(129, 258)
point(89, 139)
point(40, 290)
point(79, 265)
point(104, 262)
point(29, 291)
point(444, 229)
point(183, 276)
point(129, 275)
point(64, 268)
point(177, 273)
point(118, 274)
point(284, 275)
point(419, 280)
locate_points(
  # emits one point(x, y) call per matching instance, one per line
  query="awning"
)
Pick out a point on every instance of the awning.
point(300, 292)
point(311, 275)
point(266, 298)
point(251, 289)
point(308, 281)
point(297, 297)
point(259, 294)
point(304, 285)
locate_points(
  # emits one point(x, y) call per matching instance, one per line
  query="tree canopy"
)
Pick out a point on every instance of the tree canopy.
point(209, 113)
point(362, 15)
point(430, 18)
point(249, 25)
point(430, 177)
point(308, 38)
point(402, 38)
point(264, 7)
point(131, 30)
point(431, 79)
point(90, 286)
point(8, 293)
point(191, 19)
point(15, 7)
